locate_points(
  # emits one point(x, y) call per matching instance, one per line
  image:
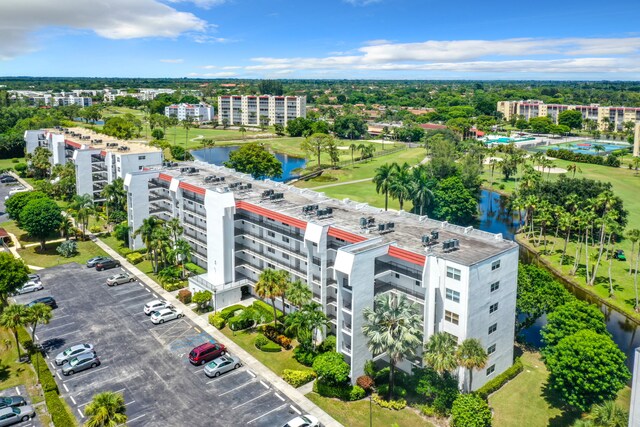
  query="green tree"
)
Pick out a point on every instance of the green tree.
point(121, 232)
point(393, 326)
point(307, 323)
point(300, 126)
point(39, 313)
point(440, 352)
point(586, 368)
point(350, 126)
point(331, 368)
point(40, 162)
point(268, 287)
point(298, 293)
point(316, 144)
point(400, 187)
point(570, 318)
point(115, 196)
point(106, 409)
point(540, 124)
point(82, 208)
point(14, 317)
point(453, 202)
point(538, 293)
point(470, 410)
point(13, 274)
point(202, 299)
point(570, 118)
point(15, 203)
point(147, 231)
point(383, 178)
point(609, 414)
point(41, 218)
point(471, 355)
point(254, 159)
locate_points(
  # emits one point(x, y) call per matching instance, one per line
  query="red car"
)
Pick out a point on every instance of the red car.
point(206, 352)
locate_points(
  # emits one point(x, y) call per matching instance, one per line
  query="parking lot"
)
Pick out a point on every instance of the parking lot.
point(146, 362)
point(4, 192)
point(21, 391)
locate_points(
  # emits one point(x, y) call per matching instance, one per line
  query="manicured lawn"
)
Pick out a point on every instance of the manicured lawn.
point(354, 414)
point(51, 258)
point(277, 362)
point(522, 401)
point(20, 234)
point(9, 164)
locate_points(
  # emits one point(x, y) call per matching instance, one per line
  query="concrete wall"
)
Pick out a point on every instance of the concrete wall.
point(634, 413)
point(32, 140)
point(220, 208)
point(82, 161)
point(136, 185)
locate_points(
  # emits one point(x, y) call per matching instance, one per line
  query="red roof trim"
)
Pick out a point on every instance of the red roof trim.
point(298, 223)
point(72, 143)
point(192, 188)
point(345, 235)
point(164, 177)
point(406, 255)
point(103, 153)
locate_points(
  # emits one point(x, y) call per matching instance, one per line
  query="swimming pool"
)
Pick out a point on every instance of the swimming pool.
point(589, 147)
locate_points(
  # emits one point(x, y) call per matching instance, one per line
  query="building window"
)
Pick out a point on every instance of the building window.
point(285, 256)
point(417, 282)
point(451, 317)
point(495, 265)
point(491, 369)
point(453, 273)
point(397, 276)
point(142, 157)
point(493, 308)
point(491, 349)
point(271, 234)
point(285, 239)
point(271, 250)
point(493, 328)
point(453, 295)
point(118, 168)
point(495, 286)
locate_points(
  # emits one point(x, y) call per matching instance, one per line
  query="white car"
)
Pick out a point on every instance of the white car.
point(155, 305)
point(303, 421)
point(30, 286)
point(119, 279)
point(166, 314)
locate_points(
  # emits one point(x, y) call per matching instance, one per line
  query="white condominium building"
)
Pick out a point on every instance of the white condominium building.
point(99, 159)
point(599, 114)
point(256, 110)
point(195, 112)
point(462, 280)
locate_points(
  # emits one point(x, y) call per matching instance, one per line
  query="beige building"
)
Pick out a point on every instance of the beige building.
point(636, 141)
point(602, 115)
point(252, 110)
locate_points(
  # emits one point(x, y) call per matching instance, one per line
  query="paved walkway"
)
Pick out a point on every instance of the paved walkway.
point(340, 183)
point(295, 395)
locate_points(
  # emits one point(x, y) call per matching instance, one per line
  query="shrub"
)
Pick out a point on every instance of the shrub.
point(329, 344)
point(95, 229)
point(271, 347)
point(370, 368)
point(610, 160)
point(21, 168)
point(202, 298)
point(135, 258)
point(194, 268)
point(217, 321)
point(56, 408)
point(266, 311)
point(230, 311)
point(261, 341)
point(366, 382)
point(356, 393)
point(15, 160)
point(389, 404)
point(298, 378)
point(331, 368)
point(68, 248)
point(382, 376)
point(274, 335)
point(470, 410)
point(170, 287)
point(306, 357)
point(184, 296)
point(496, 383)
point(344, 391)
point(426, 410)
point(237, 323)
point(47, 381)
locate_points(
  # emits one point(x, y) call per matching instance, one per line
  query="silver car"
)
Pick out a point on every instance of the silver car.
point(221, 365)
point(119, 279)
point(155, 305)
point(72, 352)
point(10, 416)
point(166, 314)
point(30, 286)
point(80, 363)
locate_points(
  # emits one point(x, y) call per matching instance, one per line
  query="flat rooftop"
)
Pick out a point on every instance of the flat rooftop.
point(134, 147)
point(474, 245)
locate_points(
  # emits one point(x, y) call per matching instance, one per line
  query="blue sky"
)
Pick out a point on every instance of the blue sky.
point(391, 39)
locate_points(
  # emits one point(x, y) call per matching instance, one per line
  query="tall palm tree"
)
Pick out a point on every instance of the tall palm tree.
point(160, 247)
point(182, 253)
point(83, 207)
point(604, 204)
point(471, 355)
point(283, 284)
point(13, 317)
point(353, 147)
point(187, 124)
point(609, 414)
point(401, 183)
point(267, 287)
point(66, 226)
point(420, 192)
point(440, 352)
point(107, 409)
point(298, 293)
point(573, 167)
point(39, 313)
point(115, 196)
point(307, 322)
point(383, 179)
point(392, 326)
point(175, 228)
point(147, 228)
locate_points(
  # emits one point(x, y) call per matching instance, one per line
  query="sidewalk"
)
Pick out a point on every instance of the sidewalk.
point(278, 383)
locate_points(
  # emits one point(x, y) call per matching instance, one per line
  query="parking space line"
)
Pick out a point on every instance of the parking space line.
point(58, 374)
point(17, 390)
point(251, 400)
point(251, 373)
point(140, 283)
point(156, 296)
point(126, 404)
point(267, 413)
point(48, 328)
point(65, 334)
point(235, 388)
point(279, 397)
point(148, 290)
point(295, 409)
point(264, 385)
point(237, 371)
point(131, 299)
point(80, 412)
point(36, 337)
point(79, 375)
point(65, 387)
point(136, 418)
point(53, 365)
point(72, 399)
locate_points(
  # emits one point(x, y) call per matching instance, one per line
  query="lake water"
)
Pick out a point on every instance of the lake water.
point(219, 155)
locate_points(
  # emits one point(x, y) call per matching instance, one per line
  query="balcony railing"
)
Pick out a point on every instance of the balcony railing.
point(382, 287)
point(197, 199)
point(240, 232)
point(346, 348)
point(383, 267)
point(203, 282)
point(276, 261)
point(346, 305)
point(346, 326)
point(202, 227)
point(269, 225)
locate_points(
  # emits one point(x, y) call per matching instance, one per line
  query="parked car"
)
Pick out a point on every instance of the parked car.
point(166, 314)
point(93, 261)
point(7, 179)
point(10, 416)
point(12, 401)
point(206, 352)
point(221, 365)
point(155, 305)
point(303, 421)
point(30, 286)
point(50, 301)
point(119, 279)
point(106, 264)
point(34, 277)
point(71, 352)
point(80, 363)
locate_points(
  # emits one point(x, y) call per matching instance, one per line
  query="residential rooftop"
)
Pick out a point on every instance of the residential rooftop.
point(99, 141)
point(407, 230)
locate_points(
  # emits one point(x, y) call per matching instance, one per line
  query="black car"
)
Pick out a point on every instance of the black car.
point(50, 301)
point(12, 401)
point(107, 264)
point(8, 179)
point(94, 261)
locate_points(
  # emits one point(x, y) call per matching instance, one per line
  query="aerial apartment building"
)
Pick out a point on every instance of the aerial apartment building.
point(99, 159)
point(462, 280)
point(601, 115)
point(256, 110)
point(195, 112)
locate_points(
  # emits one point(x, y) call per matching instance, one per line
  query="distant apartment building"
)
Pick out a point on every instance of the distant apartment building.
point(98, 159)
point(142, 94)
point(461, 280)
point(256, 110)
point(52, 100)
point(634, 414)
point(601, 115)
point(201, 113)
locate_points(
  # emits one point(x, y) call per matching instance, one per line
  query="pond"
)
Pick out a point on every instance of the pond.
point(219, 155)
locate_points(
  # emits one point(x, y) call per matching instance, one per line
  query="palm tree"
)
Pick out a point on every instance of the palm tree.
point(243, 130)
point(420, 192)
point(83, 207)
point(187, 124)
point(598, 148)
point(383, 179)
point(283, 284)
point(39, 313)
point(609, 414)
point(159, 247)
point(493, 162)
point(471, 355)
point(13, 317)
point(573, 168)
point(66, 226)
point(175, 228)
point(353, 147)
point(604, 203)
point(634, 235)
point(182, 253)
point(393, 327)
point(268, 287)
point(298, 293)
point(114, 195)
point(307, 322)
point(400, 184)
point(440, 352)
point(147, 232)
point(107, 409)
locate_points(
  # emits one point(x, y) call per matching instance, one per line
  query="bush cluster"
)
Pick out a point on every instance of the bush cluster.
point(366, 382)
point(229, 312)
point(398, 391)
point(237, 323)
point(329, 344)
point(298, 378)
point(134, 258)
point(67, 248)
point(389, 404)
point(194, 268)
point(496, 383)
point(57, 410)
point(344, 392)
point(304, 356)
point(274, 335)
point(271, 347)
point(470, 410)
point(217, 321)
point(95, 229)
point(184, 296)
point(572, 156)
point(266, 311)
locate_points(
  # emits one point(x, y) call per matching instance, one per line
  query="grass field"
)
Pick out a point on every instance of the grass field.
point(51, 258)
point(9, 163)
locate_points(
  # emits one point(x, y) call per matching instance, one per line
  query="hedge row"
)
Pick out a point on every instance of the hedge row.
point(572, 156)
point(496, 383)
point(266, 311)
point(134, 258)
point(227, 313)
point(59, 414)
point(343, 392)
point(298, 378)
point(217, 321)
point(389, 404)
point(274, 335)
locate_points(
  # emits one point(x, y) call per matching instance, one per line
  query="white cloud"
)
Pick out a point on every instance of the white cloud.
point(219, 74)
point(204, 4)
point(113, 19)
point(361, 2)
point(172, 61)
point(204, 38)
